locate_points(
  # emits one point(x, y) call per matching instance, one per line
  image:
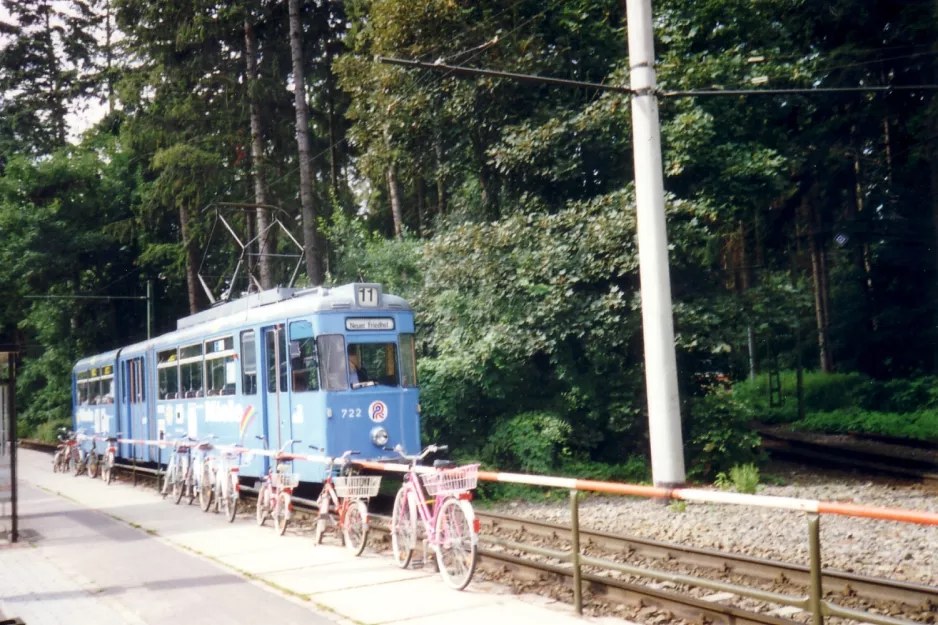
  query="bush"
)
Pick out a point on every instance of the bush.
point(744, 478)
point(922, 424)
point(720, 436)
point(532, 442)
point(823, 392)
point(46, 432)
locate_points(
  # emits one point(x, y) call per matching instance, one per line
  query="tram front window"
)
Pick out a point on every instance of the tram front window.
point(373, 364)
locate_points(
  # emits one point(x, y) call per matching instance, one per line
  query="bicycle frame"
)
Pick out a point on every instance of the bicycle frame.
point(426, 514)
point(272, 491)
point(341, 505)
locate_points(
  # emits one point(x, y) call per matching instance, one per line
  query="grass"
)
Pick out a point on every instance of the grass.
point(848, 402)
point(921, 425)
point(678, 506)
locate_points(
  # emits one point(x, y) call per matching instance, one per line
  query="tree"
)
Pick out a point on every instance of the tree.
point(310, 226)
point(266, 248)
point(46, 64)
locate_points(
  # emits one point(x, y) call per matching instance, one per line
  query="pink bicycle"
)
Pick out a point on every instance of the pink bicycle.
point(437, 502)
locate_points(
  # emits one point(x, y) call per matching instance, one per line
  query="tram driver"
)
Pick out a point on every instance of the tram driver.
point(356, 373)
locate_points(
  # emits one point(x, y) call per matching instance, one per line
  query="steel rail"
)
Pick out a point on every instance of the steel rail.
point(760, 568)
point(637, 595)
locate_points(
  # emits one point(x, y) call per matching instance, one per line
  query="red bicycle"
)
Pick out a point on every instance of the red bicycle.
point(110, 458)
point(346, 496)
point(275, 495)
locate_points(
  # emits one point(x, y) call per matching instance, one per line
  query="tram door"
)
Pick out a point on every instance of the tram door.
point(140, 425)
point(276, 399)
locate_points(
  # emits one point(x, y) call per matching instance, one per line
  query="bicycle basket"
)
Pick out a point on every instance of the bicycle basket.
point(285, 480)
point(451, 481)
point(357, 486)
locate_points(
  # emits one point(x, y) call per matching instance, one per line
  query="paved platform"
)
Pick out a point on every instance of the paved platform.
point(121, 554)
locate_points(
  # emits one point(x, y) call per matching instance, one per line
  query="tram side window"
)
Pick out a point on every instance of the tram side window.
point(107, 386)
point(248, 363)
point(84, 397)
point(303, 362)
point(168, 377)
point(408, 360)
point(94, 387)
point(272, 359)
point(332, 365)
point(190, 371)
point(220, 372)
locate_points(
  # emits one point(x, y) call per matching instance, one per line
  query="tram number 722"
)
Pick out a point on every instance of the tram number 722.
point(351, 413)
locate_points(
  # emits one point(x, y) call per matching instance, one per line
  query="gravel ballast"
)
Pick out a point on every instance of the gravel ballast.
point(899, 551)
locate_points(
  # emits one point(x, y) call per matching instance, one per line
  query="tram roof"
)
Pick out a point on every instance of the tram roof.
point(270, 305)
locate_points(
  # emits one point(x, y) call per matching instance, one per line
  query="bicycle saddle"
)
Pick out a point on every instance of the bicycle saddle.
point(443, 464)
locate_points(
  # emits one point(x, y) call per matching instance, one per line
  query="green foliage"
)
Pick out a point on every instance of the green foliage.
point(48, 431)
point(720, 436)
point(367, 256)
point(678, 506)
point(922, 424)
point(822, 392)
point(849, 402)
point(533, 442)
point(743, 477)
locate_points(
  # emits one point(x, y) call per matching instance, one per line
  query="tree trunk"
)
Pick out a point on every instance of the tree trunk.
point(746, 276)
point(265, 245)
point(818, 268)
point(395, 193)
point(108, 55)
point(860, 251)
point(488, 181)
point(57, 107)
point(193, 288)
point(330, 96)
point(440, 186)
point(310, 227)
point(421, 205)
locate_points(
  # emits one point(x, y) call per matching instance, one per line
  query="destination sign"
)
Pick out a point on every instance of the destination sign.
point(369, 323)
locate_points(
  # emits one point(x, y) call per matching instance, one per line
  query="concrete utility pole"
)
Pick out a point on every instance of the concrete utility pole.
point(664, 414)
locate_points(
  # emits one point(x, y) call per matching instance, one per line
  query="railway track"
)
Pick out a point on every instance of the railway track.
point(817, 453)
point(683, 606)
point(849, 584)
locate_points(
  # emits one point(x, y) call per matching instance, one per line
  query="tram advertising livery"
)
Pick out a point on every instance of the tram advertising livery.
point(334, 368)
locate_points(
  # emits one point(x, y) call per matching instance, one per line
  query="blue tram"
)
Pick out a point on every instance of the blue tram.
point(332, 367)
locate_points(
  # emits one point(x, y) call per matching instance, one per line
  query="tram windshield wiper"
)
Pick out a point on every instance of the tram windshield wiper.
point(364, 384)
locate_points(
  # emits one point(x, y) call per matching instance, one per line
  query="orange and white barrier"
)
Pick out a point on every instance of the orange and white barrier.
point(920, 517)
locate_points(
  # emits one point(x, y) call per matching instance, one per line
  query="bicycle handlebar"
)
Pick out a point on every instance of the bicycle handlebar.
point(414, 459)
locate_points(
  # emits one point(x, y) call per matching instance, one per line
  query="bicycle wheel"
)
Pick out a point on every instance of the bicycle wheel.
point(169, 479)
point(404, 527)
point(79, 464)
point(231, 498)
point(55, 461)
point(205, 488)
point(192, 482)
point(322, 520)
point(457, 542)
point(179, 483)
point(355, 527)
point(93, 466)
point(109, 468)
point(262, 496)
point(280, 514)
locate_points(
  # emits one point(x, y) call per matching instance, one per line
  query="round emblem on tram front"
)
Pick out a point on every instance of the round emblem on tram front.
point(378, 411)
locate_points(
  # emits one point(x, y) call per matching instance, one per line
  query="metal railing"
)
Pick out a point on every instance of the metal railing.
point(813, 603)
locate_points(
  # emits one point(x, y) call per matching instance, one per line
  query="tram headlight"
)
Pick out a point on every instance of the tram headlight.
point(379, 436)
